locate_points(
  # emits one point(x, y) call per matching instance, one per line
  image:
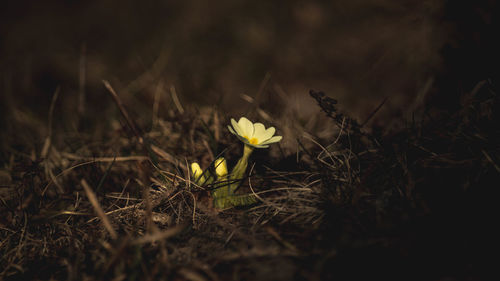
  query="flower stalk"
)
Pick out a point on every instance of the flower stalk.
point(239, 170)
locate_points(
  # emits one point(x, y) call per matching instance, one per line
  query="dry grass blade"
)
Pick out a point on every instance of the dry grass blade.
point(167, 157)
point(106, 159)
point(52, 180)
point(124, 113)
point(488, 157)
point(374, 112)
point(156, 103)
point(48, 139)
point(176, 100)
point(100, 212)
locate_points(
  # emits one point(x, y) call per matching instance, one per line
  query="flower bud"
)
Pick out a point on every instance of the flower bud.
point(196, 171)
point(221, 167)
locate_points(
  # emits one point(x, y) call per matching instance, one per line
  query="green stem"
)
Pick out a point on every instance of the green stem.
point(223, 197)
point(239, 170)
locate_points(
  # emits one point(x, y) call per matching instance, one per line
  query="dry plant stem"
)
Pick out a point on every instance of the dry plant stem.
point(156, 102)
point(216, 126)
point(488, 157)
point(262, 86)
point(93, 200)
point(149, 208)
point(169, 158)
point(64, 172)
point(176, 100)
point(103, 159)
point(122, 110)
point(322, 147)
point(251, 188)
point(48, 139)
point(374, 112)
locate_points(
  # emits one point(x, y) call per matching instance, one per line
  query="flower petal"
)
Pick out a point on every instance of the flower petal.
point(261, 146)
point(246, 127)
point(259, 131)
point(231, 130)
point(268, 134)
point(244, 140)
point(236, 127)
point(272, 140)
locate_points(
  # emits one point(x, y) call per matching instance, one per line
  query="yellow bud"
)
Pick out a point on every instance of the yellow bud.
point(196, 171)
point(221, 167)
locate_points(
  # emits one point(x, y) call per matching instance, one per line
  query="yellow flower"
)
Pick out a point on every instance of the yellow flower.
point(253, 134)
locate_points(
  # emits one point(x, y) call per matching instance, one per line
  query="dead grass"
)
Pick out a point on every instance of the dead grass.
point(121, 205)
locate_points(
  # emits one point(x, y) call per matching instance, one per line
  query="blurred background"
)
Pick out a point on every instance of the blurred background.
point(358, 52)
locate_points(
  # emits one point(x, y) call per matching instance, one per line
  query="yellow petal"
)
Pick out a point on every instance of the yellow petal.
point(272, 140)
point(259, 131)
point(231, 130)
point(236, 127)
point(246, 127)
point(268, 134)
point(261, 146)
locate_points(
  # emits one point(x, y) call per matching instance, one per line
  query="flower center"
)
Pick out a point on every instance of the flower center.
point(252, 140)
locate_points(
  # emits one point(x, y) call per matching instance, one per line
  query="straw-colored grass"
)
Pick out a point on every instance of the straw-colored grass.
point(122, 205)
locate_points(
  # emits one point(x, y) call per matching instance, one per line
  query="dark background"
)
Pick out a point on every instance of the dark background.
point(357, 51)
